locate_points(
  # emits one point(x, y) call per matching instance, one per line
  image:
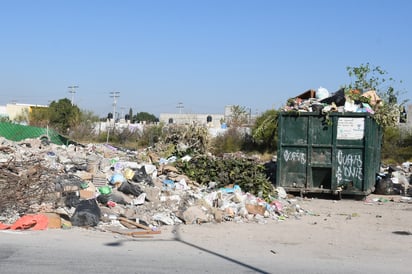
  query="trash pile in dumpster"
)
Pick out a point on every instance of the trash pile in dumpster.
point(102, 186)
point(339, 101)
point(390, 180)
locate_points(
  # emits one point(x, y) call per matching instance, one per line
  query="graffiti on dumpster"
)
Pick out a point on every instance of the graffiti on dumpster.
point(294, 156)
point(349, 166)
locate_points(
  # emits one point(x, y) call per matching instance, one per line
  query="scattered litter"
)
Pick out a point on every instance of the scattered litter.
point(109, 189)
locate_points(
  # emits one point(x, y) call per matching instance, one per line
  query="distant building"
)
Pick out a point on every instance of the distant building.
point(15, 110)
point(3, 112)
point(409, 115)
point(210, 120)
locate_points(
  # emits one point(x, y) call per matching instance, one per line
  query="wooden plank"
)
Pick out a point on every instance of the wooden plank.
point(129, 233)
point(137, 233)
point(134, 223)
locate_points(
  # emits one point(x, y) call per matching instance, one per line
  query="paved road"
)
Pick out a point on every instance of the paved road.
point(82, 251)
point(178, 250)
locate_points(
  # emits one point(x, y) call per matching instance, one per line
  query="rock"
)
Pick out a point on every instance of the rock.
point(168, 168)
point(152, 194)
point(218, 215)
point(194, 215)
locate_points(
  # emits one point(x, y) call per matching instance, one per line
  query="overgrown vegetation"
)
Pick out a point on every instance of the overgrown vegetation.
point(63, 116)
point(264, 131)
point(397, 145)
point(247, 173)
point(39, 117)
point(4, 119)
point(151, 135)
point(239, 116)
point(144, 117)
point(367, 77)
point(231, 140)
point(86, 128)
point(186, 139)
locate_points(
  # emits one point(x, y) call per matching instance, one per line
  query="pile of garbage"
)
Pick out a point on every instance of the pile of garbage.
point(324, 102)
point(395, 180)
point(100, 185)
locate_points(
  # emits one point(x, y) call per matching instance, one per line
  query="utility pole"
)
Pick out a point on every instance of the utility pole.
point(122, 112)
point(114, 95)
point(180, 107)
point(72, 91)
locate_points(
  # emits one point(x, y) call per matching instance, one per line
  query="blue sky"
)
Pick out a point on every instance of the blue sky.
point(204, 54)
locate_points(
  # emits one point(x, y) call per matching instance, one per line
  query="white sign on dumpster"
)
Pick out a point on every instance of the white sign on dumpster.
point(351, 128)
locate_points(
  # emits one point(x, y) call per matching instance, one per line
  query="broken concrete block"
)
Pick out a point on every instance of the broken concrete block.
point(194, 215)
point(218, 215)
point(152, 194)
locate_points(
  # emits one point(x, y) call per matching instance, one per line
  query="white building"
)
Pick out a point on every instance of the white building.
point(210, 120)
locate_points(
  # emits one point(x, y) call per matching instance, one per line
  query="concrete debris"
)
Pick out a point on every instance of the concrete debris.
point(195, 215)
point(96, 185)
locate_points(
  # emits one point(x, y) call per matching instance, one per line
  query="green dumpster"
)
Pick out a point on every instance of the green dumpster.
point(337, 154)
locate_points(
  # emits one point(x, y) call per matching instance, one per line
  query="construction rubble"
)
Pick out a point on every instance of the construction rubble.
point(104, 187)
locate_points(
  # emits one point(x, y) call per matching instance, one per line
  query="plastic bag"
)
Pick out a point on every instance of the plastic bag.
point(129, 188)
point(322, 93)
point(87, 213)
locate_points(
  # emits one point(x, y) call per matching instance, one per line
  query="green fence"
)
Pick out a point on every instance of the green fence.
point(16, 132)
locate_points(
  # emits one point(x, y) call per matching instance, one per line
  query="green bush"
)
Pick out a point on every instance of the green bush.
point(247, 173)
point(396, 145)
point(264, 131)
point(151, 135)
point(231, 141)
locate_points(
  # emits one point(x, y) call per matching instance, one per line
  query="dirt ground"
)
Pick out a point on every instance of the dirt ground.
point(375, 233)
point(366, 223)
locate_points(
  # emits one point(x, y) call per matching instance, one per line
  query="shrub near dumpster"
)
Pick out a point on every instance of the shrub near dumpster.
point(246, 173)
